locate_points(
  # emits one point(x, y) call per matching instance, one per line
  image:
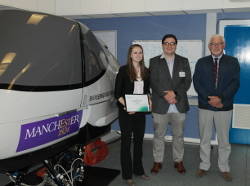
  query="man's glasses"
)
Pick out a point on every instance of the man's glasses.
point(169, 44)
point(216, 44)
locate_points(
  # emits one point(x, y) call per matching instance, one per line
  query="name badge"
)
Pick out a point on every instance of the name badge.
point(182, 74)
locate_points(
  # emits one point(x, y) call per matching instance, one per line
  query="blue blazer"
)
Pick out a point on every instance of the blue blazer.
point(227, 84)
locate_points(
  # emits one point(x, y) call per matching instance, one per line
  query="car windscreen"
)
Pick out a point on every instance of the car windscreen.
point(39, 52)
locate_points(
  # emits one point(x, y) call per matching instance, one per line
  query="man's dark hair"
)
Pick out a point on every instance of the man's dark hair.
point(169, 36)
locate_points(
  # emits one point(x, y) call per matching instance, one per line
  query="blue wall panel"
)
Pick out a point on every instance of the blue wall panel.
point(238, 45)
point(185, 27)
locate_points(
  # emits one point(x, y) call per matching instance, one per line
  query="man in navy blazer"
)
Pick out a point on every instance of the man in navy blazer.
point(170, 79)
point(216, 80)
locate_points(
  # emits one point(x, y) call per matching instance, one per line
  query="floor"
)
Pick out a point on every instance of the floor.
point(168, 176)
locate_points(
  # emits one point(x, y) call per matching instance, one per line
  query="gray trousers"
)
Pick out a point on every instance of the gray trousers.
point(161, 121)
point(222, 121)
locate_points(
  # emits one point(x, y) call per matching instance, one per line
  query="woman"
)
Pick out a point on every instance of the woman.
point(132, 78)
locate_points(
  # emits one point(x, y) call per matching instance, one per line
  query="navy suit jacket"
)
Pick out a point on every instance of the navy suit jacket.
point(160, 80)
point(227, 84)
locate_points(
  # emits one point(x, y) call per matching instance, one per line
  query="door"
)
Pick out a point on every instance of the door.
point(236, 33)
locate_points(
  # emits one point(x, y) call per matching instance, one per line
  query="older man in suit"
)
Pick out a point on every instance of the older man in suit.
point(170, 79)
point(216, 79)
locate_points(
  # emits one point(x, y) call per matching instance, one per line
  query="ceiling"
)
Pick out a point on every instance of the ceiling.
point(136, 14)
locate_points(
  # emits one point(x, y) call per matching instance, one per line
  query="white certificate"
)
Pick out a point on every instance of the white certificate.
point(137, 103)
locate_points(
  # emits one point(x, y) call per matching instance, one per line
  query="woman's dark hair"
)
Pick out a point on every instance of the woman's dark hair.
point(169, 36)
point(130, 68)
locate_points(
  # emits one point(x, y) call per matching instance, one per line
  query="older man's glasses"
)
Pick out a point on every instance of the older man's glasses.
point(216, 44)
point(169, 44)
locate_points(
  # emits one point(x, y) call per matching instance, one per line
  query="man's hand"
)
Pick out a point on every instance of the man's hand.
point(220, 105)
point(215, 102)
point(170, 97)
point(173, 101)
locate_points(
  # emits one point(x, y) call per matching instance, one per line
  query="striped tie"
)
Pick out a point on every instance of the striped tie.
point(215, 71)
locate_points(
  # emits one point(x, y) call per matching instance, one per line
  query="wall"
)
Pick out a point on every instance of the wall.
point(185, 27)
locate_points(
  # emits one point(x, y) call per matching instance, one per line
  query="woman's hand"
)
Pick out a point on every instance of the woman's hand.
point(150, 105)
point(129, 112)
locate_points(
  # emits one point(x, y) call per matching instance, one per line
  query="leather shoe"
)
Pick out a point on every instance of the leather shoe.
point(201, 173)
point(180, 168)
point(227, 176)
point(130, 182)
point(156, 168)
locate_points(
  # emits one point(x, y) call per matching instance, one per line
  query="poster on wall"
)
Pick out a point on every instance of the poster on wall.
point(191, 49)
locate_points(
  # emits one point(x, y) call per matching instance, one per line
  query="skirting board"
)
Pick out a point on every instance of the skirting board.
point(115, 134)
point(188, 140)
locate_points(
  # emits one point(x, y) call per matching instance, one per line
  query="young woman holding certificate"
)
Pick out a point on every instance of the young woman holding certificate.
point(132, 78)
